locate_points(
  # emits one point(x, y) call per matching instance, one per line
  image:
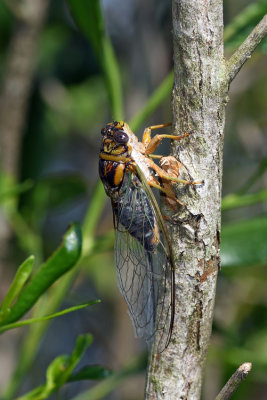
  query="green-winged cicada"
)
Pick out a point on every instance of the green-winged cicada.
point(143, 251)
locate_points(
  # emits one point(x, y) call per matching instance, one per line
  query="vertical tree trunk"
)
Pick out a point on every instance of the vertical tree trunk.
point(199, 98)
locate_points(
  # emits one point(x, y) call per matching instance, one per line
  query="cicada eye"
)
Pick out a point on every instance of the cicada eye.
point(103, 131)
point(121, 137)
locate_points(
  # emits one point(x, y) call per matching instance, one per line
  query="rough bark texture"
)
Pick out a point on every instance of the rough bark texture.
point(199, 98)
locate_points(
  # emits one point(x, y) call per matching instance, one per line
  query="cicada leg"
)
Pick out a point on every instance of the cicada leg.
point(147, 132)
point(152, 143)
point(163, 175)
point(168, 193)
point(155, 156)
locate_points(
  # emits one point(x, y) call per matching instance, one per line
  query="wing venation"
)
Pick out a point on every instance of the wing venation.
point(143, 265)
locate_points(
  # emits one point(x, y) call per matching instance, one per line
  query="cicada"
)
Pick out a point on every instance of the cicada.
point(143, 252)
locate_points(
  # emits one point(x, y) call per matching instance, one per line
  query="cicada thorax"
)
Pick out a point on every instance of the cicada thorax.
point(114, 155)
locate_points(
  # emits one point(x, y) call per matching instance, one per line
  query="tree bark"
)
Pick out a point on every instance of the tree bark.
point(200, 93)
point(199, 97)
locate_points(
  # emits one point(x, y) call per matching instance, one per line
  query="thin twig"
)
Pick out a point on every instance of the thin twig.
point(236, 379)
point(244, 52)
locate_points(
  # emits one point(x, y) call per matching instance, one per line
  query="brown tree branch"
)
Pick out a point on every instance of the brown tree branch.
point(240, 56)
point(236, 379)
point(200, 88)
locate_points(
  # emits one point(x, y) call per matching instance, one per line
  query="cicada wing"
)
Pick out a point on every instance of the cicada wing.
point(142, 262)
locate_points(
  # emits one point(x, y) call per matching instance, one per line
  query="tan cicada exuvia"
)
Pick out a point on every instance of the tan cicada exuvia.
point(143, 251)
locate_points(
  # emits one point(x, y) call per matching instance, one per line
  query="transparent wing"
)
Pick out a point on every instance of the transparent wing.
point(143, 264)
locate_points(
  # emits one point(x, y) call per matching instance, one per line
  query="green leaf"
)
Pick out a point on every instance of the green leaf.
point(90, 372)
point(35, 394)
point(102, 389)
point(29, 321)
point(89, 18)
point(63, 259)
point(59, 370)
point(22, 274)
point(56, 296)
point(244, 243)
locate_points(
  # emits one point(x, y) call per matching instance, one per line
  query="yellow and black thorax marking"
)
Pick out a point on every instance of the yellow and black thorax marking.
point(115, 155)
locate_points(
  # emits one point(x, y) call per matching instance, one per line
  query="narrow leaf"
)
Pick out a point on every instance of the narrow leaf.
point(35, 394)
point(81, 345)
point(22, 274)
point(63, 259)
point(46, 317)
point(59, 370)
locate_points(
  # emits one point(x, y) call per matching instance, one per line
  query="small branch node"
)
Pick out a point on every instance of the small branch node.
point(236, 379)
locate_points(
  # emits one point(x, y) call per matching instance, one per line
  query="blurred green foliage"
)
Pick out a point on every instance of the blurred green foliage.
point(77, 87)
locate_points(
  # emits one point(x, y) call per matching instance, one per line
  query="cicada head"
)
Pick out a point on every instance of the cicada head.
point(118, 139)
